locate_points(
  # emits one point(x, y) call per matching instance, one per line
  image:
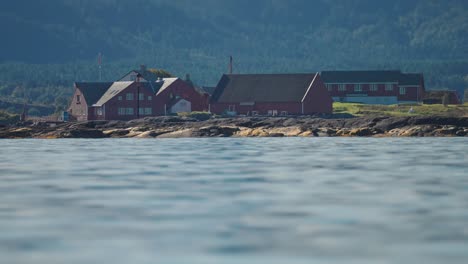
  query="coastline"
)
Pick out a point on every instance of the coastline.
point(303, 126)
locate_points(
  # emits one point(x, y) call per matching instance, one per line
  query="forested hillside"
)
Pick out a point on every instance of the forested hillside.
point(46, 45)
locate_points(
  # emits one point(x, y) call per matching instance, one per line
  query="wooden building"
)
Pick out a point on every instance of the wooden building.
point(127, 100)
point(270, 94)
point(441, 97)
point(374, 87)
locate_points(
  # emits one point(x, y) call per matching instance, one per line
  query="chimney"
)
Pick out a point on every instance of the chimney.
point(142, 68)
point(230, 65)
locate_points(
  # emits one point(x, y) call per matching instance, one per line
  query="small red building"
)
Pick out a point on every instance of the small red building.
point(127, 100)
point(374, 87)
point(439, 96)
point(270, 94)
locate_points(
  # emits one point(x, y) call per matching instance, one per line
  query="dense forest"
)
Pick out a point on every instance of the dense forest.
point(47, 45)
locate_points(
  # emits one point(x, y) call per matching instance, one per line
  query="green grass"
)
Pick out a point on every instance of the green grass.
point(400, 110)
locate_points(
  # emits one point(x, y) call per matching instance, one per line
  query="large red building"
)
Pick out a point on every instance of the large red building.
point(374, 87)
point(270, 94)
point(126, 100)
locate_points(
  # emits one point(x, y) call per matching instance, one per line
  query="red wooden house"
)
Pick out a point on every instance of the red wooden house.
point(374, 87)
point(126, 100)
point(270, 94)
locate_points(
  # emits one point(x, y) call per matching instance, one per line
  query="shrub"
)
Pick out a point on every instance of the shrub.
point(201, 116)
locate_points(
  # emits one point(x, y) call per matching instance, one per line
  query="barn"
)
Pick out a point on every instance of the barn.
point(270, 94)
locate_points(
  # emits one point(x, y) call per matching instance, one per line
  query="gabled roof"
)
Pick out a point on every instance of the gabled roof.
point(262, 87)
point(115, 89)
point(166, 82)
point(92, 91)
point(360, 76)
point(118, 87)
point(411, 79)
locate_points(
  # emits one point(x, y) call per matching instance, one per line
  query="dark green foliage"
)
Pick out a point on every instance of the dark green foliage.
point(201, 116)
point(7, 118)
point(59, 44)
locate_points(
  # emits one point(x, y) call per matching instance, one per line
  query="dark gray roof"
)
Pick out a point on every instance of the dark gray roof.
point(93, 91)
point(360, 76)
point(411, 79)
point(262, 87)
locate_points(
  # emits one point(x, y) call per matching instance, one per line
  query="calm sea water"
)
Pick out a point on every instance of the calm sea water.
point(287, 200)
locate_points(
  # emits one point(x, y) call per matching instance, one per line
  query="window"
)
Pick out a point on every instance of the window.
point(120, 98)
point(129, 96)
point(141, 97)
point(121, 111)
point(272, 112)
point(388, 87)
point(148, 111)
point(329, 87)
point(232, 108)
point(150, 98)
point(357, 88)
point(99, 111)
point(254, 113)
point(402, 90)
point(78, 99)
point(141, 111)
point(129, 111)
point(373, 87)
point(342, 87)
point(284, 113)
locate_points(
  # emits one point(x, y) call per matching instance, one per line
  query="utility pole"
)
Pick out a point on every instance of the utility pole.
point(100, 65)
point(138, 95)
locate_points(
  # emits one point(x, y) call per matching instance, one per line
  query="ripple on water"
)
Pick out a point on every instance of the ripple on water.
point(275, 200)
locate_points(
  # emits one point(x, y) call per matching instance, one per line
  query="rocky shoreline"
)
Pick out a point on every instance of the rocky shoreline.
point(177, 127)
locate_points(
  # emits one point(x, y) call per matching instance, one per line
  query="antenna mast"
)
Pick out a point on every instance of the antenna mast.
point(230, 64)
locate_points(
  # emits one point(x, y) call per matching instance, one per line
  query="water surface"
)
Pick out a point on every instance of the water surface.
point(287, 200)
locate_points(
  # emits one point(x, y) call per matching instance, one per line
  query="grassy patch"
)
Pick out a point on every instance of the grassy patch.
point(197, 115)
point(400, 110)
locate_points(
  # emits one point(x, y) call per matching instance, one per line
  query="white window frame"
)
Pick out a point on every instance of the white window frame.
point(121, 111)
point(150, 97)
point(232, 108)
point(373, 88)
point(329, 87)
point(357, 88)
point(254, 113)
point(141, 96)
point(120, 98)
point(129, 111)
point(99, 111)
point(388, 87)
point(284, 113)
point(342, 87)
point(148, 111)
point(129, 96)
point(402, 90)
point(141, 110)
